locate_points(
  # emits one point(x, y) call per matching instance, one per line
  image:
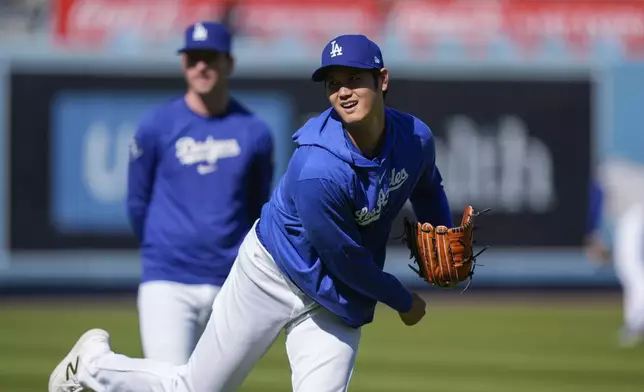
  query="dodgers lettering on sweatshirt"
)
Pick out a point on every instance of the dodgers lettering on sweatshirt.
point(196, 185)
point(329, 219)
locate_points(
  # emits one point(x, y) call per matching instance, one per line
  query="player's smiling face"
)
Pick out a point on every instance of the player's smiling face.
point(355, 93)
point(204, 70)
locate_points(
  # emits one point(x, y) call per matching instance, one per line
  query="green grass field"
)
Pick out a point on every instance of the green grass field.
point(474, 346)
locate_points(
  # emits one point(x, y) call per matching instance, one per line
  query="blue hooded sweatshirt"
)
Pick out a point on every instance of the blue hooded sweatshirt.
point(329, 219)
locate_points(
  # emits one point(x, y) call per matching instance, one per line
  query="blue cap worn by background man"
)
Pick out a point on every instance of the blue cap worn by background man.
point(209, 36)
point(352, 50)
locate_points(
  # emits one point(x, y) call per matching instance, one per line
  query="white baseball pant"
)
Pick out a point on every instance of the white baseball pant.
point(172, 316)
point(254, 305)
point(629, 264)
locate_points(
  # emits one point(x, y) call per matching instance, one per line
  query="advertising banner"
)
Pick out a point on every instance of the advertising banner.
point(520, 147)
point(68, 191)
point(527, 24)
point(90, 136)
point(94, 23)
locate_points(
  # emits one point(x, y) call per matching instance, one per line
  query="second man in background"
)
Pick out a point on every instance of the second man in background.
point(201, 167)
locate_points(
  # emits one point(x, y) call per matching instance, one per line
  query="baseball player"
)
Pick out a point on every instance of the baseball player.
point(200, 170)
point(619, 191)
point(312, 265)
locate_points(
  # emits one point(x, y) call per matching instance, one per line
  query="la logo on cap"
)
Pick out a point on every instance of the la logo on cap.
point(199, 33)
point(336, 50)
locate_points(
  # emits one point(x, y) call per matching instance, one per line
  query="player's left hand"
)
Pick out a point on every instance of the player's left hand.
point(444, 255)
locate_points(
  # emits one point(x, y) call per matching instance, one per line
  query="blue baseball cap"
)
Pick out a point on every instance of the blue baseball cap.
point(209, 36)
point(353, 50)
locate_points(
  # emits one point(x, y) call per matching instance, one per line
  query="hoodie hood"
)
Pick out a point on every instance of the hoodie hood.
point(326, 131)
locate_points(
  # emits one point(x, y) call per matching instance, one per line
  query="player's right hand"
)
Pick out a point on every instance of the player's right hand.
point(596, 251)
point(416, 313)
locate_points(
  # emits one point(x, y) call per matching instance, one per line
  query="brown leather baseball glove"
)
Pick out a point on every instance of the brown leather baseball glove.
point(445, 256)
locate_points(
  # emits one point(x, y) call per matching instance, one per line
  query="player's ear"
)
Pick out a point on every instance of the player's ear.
point(383, 80)
point(184, 62)
point(231, 64)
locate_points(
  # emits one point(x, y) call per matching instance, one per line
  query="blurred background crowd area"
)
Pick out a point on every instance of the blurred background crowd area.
point(550, 30)
point(536, 106)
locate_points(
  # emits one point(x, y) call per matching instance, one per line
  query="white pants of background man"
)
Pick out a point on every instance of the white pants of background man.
point(254, 305)
point(172, 317)
point(629, 264)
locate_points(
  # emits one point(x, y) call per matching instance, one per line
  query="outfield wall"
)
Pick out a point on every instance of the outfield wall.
point(63, 223)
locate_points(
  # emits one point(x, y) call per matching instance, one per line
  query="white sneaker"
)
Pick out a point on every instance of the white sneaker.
point(63, 378)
